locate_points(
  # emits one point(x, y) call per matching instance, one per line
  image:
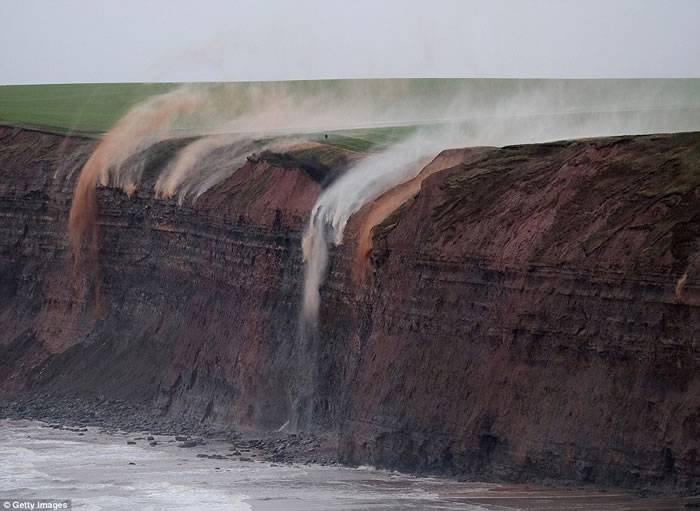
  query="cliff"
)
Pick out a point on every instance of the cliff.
point(527, 312)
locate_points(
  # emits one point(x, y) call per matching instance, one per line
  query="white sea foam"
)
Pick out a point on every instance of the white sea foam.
point(94, 471)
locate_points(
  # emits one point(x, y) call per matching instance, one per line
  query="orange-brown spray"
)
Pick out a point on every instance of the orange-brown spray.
point(144, 124)
point(680, 287)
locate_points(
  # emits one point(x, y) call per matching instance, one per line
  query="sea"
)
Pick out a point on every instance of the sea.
point(99, 470)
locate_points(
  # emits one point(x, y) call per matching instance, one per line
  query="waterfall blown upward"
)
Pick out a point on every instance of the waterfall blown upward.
point(361, 184)
point(141, 126)
point(231, 116)
point(224, 123)
point(534, 113)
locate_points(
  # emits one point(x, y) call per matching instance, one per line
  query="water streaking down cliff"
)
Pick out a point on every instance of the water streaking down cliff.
point(522, 313)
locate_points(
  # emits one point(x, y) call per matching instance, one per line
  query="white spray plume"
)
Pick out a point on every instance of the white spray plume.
point(187, 176)
point(177, 178)
point(266, 109)
point(553, 111)
point(363, 183)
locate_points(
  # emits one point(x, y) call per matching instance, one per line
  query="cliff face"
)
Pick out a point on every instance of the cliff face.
point(197, 307)
point(524, 315)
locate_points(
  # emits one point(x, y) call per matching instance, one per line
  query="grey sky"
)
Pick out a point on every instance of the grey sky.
point(54, 41)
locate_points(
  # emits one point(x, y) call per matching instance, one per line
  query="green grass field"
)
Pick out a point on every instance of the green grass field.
point(91, 109)
point(79, 108)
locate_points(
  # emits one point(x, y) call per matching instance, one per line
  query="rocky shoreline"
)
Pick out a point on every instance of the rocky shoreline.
point(113, 415)
point(222, 446)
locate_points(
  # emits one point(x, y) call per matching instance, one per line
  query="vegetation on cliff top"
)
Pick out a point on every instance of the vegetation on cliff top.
point(85, 108)
point(92, 108)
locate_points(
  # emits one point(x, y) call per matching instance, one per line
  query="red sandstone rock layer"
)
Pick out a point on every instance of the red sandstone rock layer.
point(521, 317)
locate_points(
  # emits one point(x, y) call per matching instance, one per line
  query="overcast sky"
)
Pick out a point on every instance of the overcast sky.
point(54, 41)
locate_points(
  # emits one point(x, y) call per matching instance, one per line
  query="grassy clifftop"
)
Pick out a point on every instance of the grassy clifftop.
point(361, 115)
point(91, 109)
point(84, 108)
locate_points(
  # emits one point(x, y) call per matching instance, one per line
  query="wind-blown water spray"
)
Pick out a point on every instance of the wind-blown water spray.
point(218, 112)
point(140, 127)
point(538, 112)
point(380, 209)
point(197, 167)
point(236, 119)
point(361, 184)
point(178, 179)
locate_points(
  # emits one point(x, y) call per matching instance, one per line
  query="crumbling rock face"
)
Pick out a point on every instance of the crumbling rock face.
point(530, 312)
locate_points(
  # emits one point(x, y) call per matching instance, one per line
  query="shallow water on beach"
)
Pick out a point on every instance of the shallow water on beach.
point(99, 471)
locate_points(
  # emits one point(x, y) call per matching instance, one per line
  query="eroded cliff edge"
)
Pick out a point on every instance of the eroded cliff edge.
point(532, 312)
